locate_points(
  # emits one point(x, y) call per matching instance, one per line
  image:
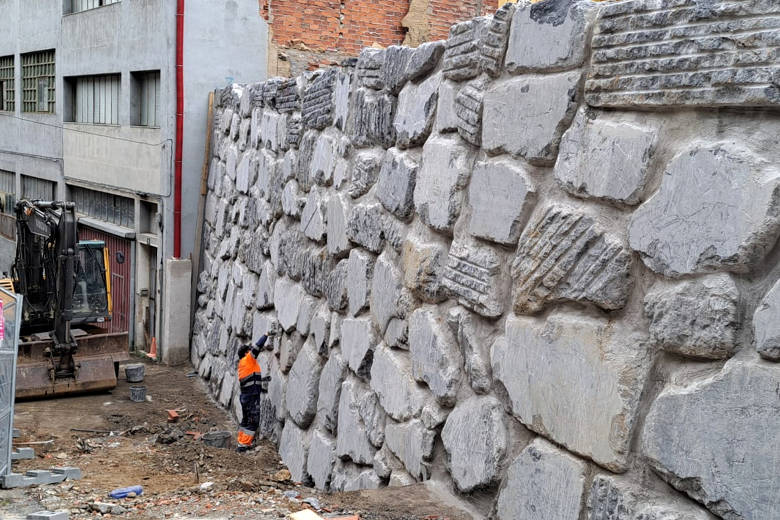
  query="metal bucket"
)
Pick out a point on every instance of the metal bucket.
point(138, 394)
point(135, 372)
point(217, 439)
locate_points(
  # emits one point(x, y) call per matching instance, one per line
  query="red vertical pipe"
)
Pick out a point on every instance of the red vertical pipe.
point(179, 128)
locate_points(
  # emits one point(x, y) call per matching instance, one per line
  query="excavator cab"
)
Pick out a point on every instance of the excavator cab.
point(92, 290)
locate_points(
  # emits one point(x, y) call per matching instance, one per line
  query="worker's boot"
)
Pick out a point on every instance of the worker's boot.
point(242, 449)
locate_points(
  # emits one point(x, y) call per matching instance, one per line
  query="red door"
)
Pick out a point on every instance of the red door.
point(120, 263)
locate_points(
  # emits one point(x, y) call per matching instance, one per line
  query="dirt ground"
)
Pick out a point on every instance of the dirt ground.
point(134, 444)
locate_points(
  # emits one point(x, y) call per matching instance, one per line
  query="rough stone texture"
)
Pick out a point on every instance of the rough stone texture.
point(438, 194)
point(462, 55)
point(391, 379)
point(416, 112)
point(394, 69)
point(332, 376)
point(360, 269)
point(564, 255)
point(472, 334)
point(397, 178)
point(389, 298)
point(369, 68)
point(698, 318)
point(606, 160)
point(365, 172)
point(317, 109)
point(424, 60)
point(322, 457)
point(351, 477)
point(542, 482)
point(592, 414)
point(342, 94)
point(287, 300)
point(736, 219)
point(527, 116)
point(371, 120)
point(352, 441)
point(323, 160)
point(564, 25)
point(502, 198)
point(288, 350)
point(629, 65)
point(337, 216)
point(412, 443)
point(373, 417)
point(358, 341)
point(494, 41)
point(423, 266)
point(766, 327)
point(435, 356)
point(475, 277)
point(468, 109)
point(303, 386)
point(294, 451)
point(476, 439)
point(446, 117)
point(713, 440)
point(314, 216)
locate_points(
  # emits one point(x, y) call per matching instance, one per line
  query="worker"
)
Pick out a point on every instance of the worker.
point(251, 384)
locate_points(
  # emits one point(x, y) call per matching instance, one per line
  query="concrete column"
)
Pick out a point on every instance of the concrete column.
point(175, 333)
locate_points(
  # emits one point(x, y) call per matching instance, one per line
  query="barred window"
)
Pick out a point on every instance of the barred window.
point(7, 93)
point(34, 188)
point(38, 82)
point(83, 5)
point(108, 207)
point(150, 98)
point(97, 99)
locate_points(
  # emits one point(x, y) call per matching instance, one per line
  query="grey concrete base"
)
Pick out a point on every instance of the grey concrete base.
point(39, 477)
point(48, 515)
point(23, 454)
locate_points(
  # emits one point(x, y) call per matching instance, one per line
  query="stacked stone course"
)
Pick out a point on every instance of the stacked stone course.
point(528, 261)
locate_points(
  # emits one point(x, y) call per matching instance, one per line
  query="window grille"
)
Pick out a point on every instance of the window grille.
point(85, 5)
point(150, 99)
point(7, 93)
point(104, 206)
point(97, 99)
point(38, 93)
point(34, 188)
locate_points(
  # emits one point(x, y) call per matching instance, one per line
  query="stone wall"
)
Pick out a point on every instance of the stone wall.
point(536, 261)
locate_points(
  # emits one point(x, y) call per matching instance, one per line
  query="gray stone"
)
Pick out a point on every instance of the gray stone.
point(294, 451)
point(424, 60)
point(288, 350)
point(367, 226)
point(423, 267)
point(351, 477)
point(292, 200)
point(729, 226)
point(235, 123)
point(446, 116)
point(494, 41)
point(416, 111)
point(400, 478)
point(288, 96)
point(303, 386)
point(263, 323)
point(332, 376)
point(323, 160)
point(287, 300)
point(322, 457)
point(358, 341)
point(564, 255)
point(698, 318)
point(371, 120)
point(542, 482)
point(563, 26)
point(527, 116)
point(655, 61)
point(320, 329)
point(710, 439)
point(765, 325)
point(231, 163)
point(338, 214)
point(305, 314)
point(360, 269)
point(473, 337)
point(462, 54)
point(273, 130)
point(352, 440)
point(502, 198)
point(246, 175)
point(394, 70)
point(342, 95)
point(476, 276)
point(385, 462)
point(294, 131)
point(365, 172)
point(277, 390)
point(614, 498)
point(314, 215)
point(369, 68)
point(317, 108)
point(436, 359)
point(336, 287)
point(592, 414)
point(389, 298)
point(373, 417)
point(476, 439)
point(438, 194)
point(397, 178)
point(397, 334)
point(468, 109)
point(412, 443)
point(265, 286)
point(433, 414)
point(606, 160)
point(391, 379)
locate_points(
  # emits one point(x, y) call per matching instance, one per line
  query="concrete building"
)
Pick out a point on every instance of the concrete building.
point(88, 112)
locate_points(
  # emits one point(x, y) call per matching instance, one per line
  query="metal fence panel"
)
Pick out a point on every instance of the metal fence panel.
point(9, 346)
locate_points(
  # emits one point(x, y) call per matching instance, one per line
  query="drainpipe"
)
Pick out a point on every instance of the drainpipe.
point(179, 128)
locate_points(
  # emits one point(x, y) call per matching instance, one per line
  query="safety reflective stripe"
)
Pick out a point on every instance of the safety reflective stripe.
point(250, 384)
point(245, 437)
point(253, 375)
point(247, 431)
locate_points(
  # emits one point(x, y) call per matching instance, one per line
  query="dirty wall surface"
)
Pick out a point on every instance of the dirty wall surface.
point(535, 261)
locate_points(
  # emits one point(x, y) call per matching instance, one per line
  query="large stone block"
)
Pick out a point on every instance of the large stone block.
point(369, 68)
point(322, 458)
point(287, 300)
point(371, 119)
point(592, 414)
point(476, 276)
point(468, 109)
point(337, 216)
point(423, 268)
point(446, 116)
point(352, 440)
point(606, 159)
point(462, 55)
point(714, 440)
point(317, 108)
point(698, 318)
point(335, 288)
point(365, 172)
point(438, 194)
point(394, 70)
point(731, 225)
point(314, 220)
point(277, 390)
point(391, 379)
point(766, 327)
point(436, 359)
point(288, 96)
point(342, 94)
point(293, 200)
point(389, 298)
point(424, 60)
point(563, 25)
point(527, 116)
point(416, 112)
point(373, 416)
point(476, 439)
point(397, 178)
point(370, 226)
point(324, 158)
point(473, 335)
point(273, 130)
point(332, 376)
point(360, 269)
point(501, 197)
point(492, 48)
point(351, 477)
point(412, 443)
point(358, 341)
point(542, 482)
point(564, 255)
point(294, 451)
point(289, 347)
point(303, 386)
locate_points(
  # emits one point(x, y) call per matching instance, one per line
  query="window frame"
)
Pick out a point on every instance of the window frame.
point(7, 104)
point(69, 6)
point(98, 91)
point(39, 66)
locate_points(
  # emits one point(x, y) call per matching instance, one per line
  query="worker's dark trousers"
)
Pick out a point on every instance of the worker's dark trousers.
point(250, 410)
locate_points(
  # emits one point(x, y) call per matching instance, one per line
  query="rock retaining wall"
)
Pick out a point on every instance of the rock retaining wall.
point(536, 261)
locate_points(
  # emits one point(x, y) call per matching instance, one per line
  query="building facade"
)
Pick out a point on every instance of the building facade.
point(88, 103)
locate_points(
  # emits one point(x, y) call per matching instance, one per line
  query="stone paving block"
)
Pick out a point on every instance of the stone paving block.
point(397, 179)
point(416, 112)
point(48, 515)
point(436, 359)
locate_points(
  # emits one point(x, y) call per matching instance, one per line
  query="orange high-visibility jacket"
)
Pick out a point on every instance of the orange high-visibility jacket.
point(249, 373)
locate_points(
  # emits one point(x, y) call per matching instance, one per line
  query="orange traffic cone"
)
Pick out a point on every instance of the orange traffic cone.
point(153, 351)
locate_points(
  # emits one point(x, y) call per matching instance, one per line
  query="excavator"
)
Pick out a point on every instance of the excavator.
point(66, 289)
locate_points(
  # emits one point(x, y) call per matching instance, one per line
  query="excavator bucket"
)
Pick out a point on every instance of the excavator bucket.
point(97, 359)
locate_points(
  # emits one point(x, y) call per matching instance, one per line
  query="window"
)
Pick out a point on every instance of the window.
point(34, 188)
point(7, 94)
point(97, 99)
point(7, 192)
point(148, 102)
point(104, 206)
point(38, 82)
point(76, 6)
